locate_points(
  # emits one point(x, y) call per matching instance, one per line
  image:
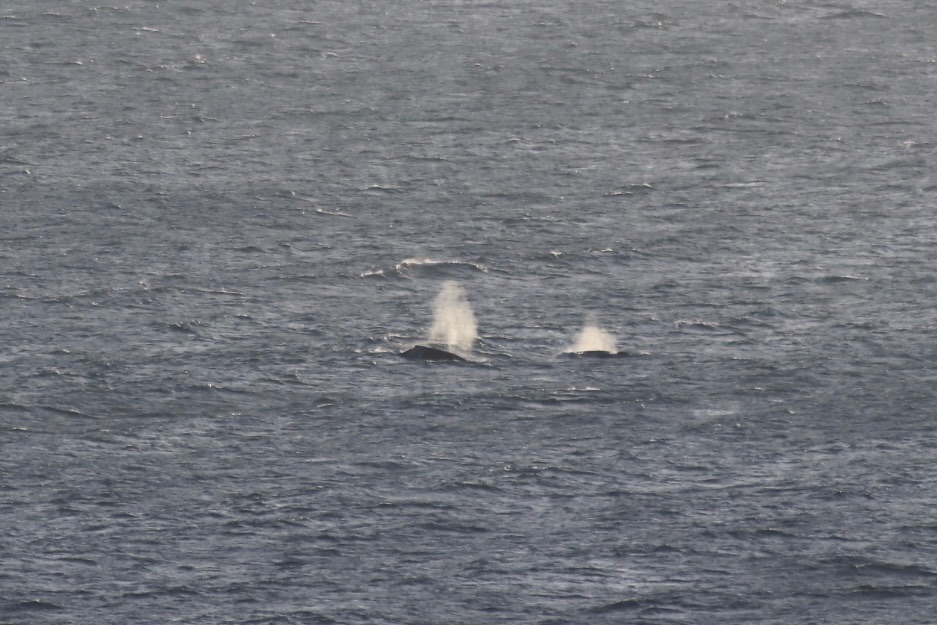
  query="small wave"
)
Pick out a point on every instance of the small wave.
point(34, 605)
point(376, 188)
point(529, 197)
point(78, 560)
point(220, 291)
point(653, 21)
point(472, 485)
point(453, 527)
point(68, 412)
point(750, 322)
point(835, 279)
point(855, 13)
point(631, 189)
point(703, 327)
point(428, 503)
point(743, 185)
point(878, 591)
point(12, 160)
point(184, 327)
point(527, 218)
point(322, 211)
point(625, 605)
point(9, 407)
point(436, 267)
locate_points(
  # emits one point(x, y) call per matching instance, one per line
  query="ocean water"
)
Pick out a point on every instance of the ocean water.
point(221, 222)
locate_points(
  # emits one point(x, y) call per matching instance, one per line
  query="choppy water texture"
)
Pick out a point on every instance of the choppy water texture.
point(222, 220)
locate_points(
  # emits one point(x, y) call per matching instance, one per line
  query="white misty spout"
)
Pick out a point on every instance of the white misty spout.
point(454, 322)
point(592, 338)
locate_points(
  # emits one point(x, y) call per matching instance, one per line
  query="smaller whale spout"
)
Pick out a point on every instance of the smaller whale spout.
point(593, 342)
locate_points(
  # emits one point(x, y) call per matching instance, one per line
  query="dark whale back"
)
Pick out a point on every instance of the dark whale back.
point(422, 352)
point(595, 353)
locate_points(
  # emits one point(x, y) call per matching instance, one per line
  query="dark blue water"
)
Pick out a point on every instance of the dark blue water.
point(221, 222)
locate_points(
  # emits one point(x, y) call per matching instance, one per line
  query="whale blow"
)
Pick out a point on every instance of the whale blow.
point(453, 326)
point(454, 322)
point(593, 342)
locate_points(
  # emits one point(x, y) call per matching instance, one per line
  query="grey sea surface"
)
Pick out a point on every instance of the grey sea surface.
point(220, 223)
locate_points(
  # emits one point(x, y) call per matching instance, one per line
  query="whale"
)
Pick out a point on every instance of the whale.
point(594, 353)
point(426, 353)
